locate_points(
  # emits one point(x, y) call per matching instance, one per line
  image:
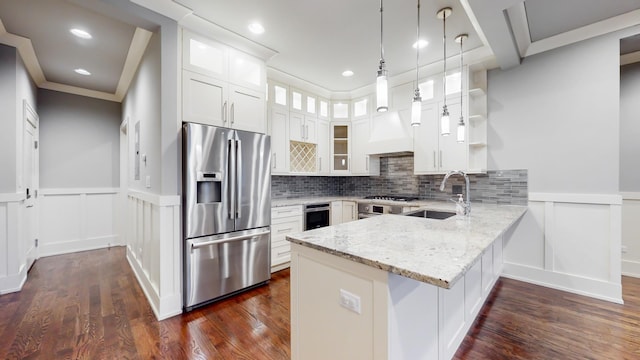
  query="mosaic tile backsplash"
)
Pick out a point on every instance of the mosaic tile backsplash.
point(397, 178)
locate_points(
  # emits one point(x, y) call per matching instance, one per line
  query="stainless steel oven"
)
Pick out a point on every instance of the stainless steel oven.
point(366, 210)
point(316, 215)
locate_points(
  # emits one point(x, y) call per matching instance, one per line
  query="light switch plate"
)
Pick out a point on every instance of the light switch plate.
point(350, 301)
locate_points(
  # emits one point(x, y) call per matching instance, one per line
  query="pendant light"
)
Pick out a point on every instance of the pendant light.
point(461, 127)
point(416, 106)
point(444, 119)
point(382, 91)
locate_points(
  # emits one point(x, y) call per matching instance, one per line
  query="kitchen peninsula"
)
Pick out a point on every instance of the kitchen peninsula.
point(392, 286)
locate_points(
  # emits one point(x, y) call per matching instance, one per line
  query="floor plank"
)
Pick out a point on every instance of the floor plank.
point(89, 306)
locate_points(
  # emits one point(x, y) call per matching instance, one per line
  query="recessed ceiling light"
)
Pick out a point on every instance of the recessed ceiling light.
point(81, 33)
point(422, 43)
point(82, 71)
point(256, 28)
point(347, 73)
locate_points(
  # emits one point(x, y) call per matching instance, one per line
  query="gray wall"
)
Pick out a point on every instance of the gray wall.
point(142, 104)
point(16, 86)
point(79, 141)
point(630, 128)
point(557, 116)
point(8, 122)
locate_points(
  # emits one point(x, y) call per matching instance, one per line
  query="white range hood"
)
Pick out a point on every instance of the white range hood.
point(391, 134)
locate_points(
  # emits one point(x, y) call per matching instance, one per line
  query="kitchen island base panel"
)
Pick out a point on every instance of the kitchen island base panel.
point(321, 328)
point(400, 318)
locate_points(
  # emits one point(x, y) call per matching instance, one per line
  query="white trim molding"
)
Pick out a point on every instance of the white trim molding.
point(154, 249)
point(13, 270)
point(24, 45)
point(631, 234)
point(570, 242)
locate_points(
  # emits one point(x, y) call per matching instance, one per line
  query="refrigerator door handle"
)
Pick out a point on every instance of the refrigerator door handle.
point(235, 238)
point(232, 178)
point(238, 192)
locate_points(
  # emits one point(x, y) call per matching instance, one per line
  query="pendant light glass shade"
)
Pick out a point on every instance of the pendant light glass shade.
point(416, 111)
point(382, 88)
point(416, 106)
point(445, 123)
point(461, 131)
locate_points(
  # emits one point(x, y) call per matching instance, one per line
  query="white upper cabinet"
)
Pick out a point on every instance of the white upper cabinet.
point(205, 56)
point(246, 70)
point(322, 150)
point(434, 153)
point(279, 141)
point(361, 162)
point(340, 110)
point(361, 108)
point(323, 108)
point(222, 86)
point(204, 99)
point(246, 109)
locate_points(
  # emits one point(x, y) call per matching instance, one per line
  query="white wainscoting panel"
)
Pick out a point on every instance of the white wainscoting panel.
point(74, 220)
point(154, 249)
point(13, 269)
point(570, 242)
point(631, 234)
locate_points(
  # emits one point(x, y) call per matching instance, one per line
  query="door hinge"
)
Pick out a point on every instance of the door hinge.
point(36, 241)
point(35, 144)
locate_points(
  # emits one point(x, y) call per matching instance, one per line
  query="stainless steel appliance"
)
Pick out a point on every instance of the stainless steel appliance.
point(316, 216)
point(227, 211)
point(372, 208)
point(366, 210)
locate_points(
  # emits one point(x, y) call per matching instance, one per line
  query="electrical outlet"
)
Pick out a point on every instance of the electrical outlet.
point(148, 181)
point(624, 249)
point(350, 301)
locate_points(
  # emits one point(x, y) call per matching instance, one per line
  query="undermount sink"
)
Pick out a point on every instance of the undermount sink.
point(431, 214)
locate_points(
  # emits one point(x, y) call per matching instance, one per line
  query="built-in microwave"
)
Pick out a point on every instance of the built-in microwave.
point(316, 216)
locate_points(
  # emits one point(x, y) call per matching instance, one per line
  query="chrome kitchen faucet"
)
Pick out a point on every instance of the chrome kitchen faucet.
point(467, 200)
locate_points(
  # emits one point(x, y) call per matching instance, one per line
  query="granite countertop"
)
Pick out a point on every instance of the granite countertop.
point(437, 252)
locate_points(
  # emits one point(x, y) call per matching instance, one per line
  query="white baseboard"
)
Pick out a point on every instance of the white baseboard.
point(72, 246)
point(570, 283)
point(13, 283)
point(631, 268)
point(163, 308)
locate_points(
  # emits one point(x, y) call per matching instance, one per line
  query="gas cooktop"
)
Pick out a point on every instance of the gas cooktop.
point(392, 198)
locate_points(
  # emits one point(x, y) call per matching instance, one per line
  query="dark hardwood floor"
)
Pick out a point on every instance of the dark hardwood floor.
point(89, 306)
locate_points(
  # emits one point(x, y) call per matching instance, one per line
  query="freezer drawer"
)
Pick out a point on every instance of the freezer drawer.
point(223, 264)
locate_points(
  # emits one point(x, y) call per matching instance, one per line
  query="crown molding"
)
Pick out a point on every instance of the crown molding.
point(139, 43)
point(24, 46)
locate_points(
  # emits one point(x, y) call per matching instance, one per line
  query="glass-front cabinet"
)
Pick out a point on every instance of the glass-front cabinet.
point(340, 147)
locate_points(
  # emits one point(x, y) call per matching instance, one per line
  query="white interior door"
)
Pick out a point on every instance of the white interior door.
point(31, 185)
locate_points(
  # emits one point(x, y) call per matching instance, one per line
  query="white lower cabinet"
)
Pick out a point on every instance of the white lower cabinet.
point(343, 211)
point(349, 211)
point(391, 309)
point(284, 220)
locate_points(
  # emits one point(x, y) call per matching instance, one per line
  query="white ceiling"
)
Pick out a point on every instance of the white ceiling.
point(318, 40)
point(313, 40)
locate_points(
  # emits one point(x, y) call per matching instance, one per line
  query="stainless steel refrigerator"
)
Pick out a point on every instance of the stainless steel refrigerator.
point(227, 211)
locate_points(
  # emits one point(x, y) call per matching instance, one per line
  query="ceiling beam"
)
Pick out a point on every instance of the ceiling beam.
point(490, 18)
